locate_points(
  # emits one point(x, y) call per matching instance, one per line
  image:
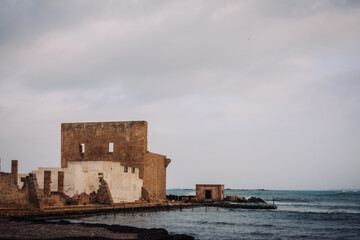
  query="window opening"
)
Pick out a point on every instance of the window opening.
point(125, 169)
point(82, 147)
point(132, 170)
point(111, 147)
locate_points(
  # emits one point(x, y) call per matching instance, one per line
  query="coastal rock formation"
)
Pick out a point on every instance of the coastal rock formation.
point(255, 200)
point(67, 230)
point(244, 200)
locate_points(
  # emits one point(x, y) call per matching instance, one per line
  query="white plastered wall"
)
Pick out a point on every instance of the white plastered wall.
point(54, 177)
point(82, 176)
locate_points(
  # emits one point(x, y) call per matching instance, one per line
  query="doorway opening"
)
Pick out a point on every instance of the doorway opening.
point(208, 194)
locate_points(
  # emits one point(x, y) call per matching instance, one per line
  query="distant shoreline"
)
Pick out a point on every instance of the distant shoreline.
point(262, 189)
point(239, 189)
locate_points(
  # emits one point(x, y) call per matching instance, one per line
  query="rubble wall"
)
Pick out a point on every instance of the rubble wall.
point(10, 194)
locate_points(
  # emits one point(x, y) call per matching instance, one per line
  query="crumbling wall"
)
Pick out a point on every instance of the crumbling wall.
point(35, 195)
point(60, 181)
point(129, 142)
point(12, 197)
point(10, 194)
point(54, 177)
point(103, 195)
point(155, 176)
point(82, 176)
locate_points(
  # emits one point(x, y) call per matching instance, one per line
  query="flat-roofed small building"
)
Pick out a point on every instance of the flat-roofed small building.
point(209, 192)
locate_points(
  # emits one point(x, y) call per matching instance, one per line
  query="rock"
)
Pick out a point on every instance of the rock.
point(255, 200)
point(241, 199)
point(231, 198)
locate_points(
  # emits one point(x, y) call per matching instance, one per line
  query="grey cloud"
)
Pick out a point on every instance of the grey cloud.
point(251, 82)
point(302, 9)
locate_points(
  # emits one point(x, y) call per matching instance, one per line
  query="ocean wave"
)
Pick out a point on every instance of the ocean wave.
point(317, 210)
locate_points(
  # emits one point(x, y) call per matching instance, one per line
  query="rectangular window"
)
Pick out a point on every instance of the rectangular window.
point(111, 147)
point(82, 147)
point(125, 169)
point(132, 170)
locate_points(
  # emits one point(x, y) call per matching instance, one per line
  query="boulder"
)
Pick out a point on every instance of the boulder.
point(240, 199)
point(255, 200)
point(230, 198)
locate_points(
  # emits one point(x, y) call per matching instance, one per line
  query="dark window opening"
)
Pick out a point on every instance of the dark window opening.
point(111, 147)
point(132, 170)
point(125, 169)
point(82, 147)
point(207, 194)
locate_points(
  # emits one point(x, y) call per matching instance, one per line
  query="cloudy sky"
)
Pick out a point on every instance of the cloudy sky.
point(251, 94)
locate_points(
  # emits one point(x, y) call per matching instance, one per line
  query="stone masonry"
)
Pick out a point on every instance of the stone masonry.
point(60, 181)
point(47, 182)
point(14, 170)
point(124, 142)
point(103, 195)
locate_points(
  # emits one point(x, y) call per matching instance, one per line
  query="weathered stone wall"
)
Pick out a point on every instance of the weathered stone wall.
point(129, 142)
point(103, 195)
point(54, 177)
point(10, 194)
point(47, 182)
point(35, 196)
point(26, 198)
point(217, 192)
point(155, 176)
point(82, 176)
point(90, 142)
point(14, 170)
point(60, 181)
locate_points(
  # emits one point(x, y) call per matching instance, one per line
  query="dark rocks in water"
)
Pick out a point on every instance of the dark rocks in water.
point(244, 200)
point(172, 197)
point(241, 199)
point(255, 200)
point(183, 198)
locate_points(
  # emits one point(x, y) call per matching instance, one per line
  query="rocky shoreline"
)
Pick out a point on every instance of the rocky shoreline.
point(10, 229)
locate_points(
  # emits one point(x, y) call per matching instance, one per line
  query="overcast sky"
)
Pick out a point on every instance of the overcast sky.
point(250, 94)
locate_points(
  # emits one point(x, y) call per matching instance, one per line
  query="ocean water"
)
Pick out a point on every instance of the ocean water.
point(300, 215)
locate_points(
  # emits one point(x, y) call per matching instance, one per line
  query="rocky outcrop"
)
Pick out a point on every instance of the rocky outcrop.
point(255, 200)
point(67, 230)
point(244, 200)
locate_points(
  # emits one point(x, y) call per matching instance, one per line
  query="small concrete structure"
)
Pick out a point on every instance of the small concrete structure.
point(209, 192)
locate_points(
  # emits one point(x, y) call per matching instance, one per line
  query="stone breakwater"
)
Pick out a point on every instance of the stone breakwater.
point(93, 210)
point(90, 210)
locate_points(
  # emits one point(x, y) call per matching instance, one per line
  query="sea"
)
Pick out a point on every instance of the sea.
point(300, 215)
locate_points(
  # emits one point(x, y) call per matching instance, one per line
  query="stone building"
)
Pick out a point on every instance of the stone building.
point(118, 150)
point(108, 160)
point(209, 192)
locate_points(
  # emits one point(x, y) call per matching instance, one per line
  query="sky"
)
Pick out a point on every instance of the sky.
point(250, 94)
